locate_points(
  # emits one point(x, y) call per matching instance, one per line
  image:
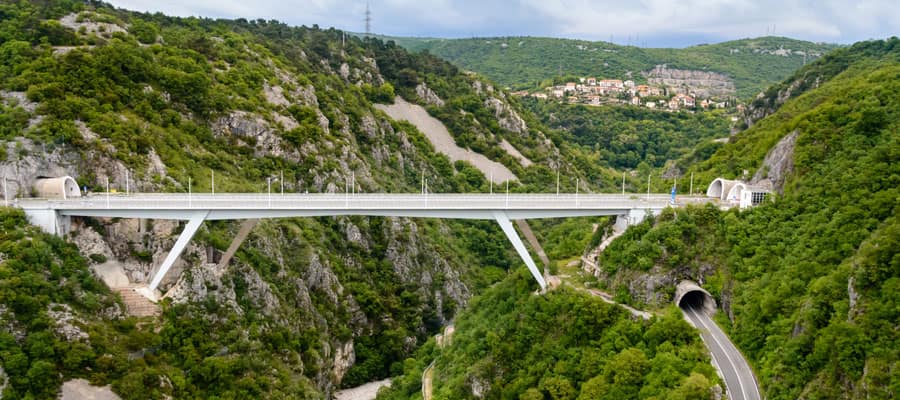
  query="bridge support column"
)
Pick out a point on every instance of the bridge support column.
point(513, 237)
point(242, 234)
point(190, 229)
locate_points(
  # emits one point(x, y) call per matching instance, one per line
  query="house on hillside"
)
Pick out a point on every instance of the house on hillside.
point(611, 83)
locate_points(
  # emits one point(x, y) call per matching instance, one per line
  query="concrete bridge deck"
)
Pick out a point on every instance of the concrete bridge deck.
point(253, 205)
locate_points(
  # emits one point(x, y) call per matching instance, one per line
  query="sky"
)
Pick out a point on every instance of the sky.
point(646, 23)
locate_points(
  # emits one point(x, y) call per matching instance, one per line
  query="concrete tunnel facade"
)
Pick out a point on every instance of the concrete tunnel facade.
point(690, 294)
point(63, 187)
point(720, 188)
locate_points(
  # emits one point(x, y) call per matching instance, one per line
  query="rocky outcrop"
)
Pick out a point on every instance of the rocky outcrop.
point(4, 379)
point(27, 160)
point(67, 325)
point(344, 358)
point(428, 96)
point(78, 21)
point(507, 118)
point(778, 164)
point(703, 83)
point(253, 129)
point(275, 95)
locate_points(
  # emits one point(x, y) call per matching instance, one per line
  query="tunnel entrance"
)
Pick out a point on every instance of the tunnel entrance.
point(695, 299)
point(689, 295)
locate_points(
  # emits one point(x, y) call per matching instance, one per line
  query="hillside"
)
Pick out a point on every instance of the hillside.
point(513, 344)
point(808, 282)
point(629, 138)
point(159, 104)
point(528, 62)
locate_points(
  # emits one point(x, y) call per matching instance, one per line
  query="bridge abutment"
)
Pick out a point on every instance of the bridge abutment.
point(49, 221)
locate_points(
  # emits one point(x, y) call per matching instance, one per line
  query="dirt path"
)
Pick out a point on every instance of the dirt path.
point(426, 382)
point(443, 142)
point(364, 392)
point(80, 389)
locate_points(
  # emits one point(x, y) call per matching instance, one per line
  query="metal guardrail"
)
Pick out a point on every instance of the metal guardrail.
point(356, 201)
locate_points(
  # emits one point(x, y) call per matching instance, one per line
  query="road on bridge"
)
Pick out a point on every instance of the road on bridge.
point(739, 380)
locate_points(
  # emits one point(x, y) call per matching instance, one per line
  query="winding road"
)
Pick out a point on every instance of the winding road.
point(735, 370)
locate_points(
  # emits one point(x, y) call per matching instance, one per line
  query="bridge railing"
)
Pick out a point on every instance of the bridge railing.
point(359, 200)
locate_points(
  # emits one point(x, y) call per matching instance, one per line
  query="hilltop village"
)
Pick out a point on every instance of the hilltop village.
point(593, 91)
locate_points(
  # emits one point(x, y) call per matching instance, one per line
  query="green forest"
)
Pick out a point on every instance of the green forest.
point(811, 278)
point(531, 62)
point(628, 138)
point(515, 344)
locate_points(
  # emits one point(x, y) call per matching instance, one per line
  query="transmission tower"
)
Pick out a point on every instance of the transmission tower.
point(368, 20)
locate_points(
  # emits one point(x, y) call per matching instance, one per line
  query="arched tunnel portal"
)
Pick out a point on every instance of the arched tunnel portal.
point(689, 295)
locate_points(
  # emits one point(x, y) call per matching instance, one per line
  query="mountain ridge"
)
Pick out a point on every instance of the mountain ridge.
point(753, 63)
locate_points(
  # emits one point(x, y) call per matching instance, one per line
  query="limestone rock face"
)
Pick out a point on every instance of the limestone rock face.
point(703, 83)
point(344, 358)
point(779, 162)
point(428, 96)
point(507, 118)
point(254, 129)
point(66, 322)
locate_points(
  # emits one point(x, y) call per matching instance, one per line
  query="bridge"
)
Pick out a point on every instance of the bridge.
point(53, 215)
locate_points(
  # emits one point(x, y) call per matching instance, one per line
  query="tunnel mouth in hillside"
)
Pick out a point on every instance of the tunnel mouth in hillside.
point(691, 296)
point(697, 300)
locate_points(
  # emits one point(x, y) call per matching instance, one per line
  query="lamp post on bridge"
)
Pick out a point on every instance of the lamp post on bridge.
point(692, 184)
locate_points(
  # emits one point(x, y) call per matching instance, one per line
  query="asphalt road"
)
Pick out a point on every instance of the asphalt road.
point(739, 380)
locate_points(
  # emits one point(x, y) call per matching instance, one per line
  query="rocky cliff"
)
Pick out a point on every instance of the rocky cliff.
point(703, 83)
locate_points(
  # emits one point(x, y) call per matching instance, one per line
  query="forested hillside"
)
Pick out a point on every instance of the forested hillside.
point(513, 344)
point(629, 138)
point(528, 62)
point(809, 281)
point(308, 305)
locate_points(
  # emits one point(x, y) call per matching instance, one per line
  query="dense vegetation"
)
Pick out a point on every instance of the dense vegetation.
point(810, 280)
point(625, 137)
point(158, 96)
point(528, 62)
point(513, 344)
point(60, 321)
